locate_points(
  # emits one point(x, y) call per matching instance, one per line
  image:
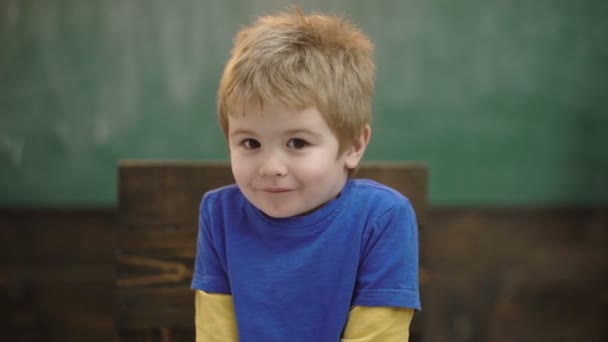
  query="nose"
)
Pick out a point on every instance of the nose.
point(272, 165)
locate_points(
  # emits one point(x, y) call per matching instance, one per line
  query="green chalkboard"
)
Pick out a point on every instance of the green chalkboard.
point(506, 101)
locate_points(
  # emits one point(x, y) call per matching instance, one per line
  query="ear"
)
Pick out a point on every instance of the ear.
point(355, 152)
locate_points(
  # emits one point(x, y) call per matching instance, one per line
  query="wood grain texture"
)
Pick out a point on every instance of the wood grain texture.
point(57, 275)
point(516, 275)
point(493, 275)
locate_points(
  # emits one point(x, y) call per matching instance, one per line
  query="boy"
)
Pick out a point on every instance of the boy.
point(296, 250)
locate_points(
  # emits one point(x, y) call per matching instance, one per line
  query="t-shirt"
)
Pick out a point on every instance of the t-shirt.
point(295, 279)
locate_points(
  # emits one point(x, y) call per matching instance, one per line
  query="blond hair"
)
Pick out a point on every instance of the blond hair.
point(302, 61)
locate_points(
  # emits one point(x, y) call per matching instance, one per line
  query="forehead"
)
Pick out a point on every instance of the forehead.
point(278, 117)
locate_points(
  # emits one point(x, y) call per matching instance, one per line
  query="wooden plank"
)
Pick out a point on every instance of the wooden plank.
point(141, 308)
point(56, 235)
point(157, 335)
point(57, 274)
point(145, 270)
point(65, 309)
point(157, 240)
point(170, 192)
point(516, 275)
point(497, 274)
point(167, 192)
point(155, 255)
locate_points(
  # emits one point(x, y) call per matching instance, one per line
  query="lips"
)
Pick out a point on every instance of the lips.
point(276, 190)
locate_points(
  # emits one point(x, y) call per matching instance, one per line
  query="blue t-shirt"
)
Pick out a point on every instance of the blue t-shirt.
point(295, 279)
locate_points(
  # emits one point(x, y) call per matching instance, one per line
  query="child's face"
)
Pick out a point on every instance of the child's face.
point(286, 161)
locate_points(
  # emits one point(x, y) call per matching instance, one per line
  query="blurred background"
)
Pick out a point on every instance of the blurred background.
point(505, 101)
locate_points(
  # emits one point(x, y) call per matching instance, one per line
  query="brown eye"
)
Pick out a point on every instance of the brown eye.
point(250, 144)
point(297, 143)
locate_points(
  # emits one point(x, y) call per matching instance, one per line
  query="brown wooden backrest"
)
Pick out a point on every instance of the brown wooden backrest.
point(156, 240)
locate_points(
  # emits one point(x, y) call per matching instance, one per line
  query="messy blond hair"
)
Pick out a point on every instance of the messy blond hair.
point(302, 61)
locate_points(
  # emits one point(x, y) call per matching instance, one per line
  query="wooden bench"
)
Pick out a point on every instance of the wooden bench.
point(156, 239)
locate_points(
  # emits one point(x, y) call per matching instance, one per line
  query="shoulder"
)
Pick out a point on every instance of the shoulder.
point(218, 207)
point(222, 192)
point(377, 196)
point(380, 206)
point(224, 198)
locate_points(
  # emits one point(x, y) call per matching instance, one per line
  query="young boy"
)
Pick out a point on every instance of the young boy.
point(297, 250)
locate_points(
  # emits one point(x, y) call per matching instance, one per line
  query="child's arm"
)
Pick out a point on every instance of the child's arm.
point(214, 317)
point(215, 321)
point(387, 282)
point(378, 323)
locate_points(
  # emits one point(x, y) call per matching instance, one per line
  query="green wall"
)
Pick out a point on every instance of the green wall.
point(505, 100)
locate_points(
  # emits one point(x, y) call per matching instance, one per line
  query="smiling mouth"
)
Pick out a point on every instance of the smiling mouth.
point(276, 190)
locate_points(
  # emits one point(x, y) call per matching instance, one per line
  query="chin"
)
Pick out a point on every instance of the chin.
point(280, 213)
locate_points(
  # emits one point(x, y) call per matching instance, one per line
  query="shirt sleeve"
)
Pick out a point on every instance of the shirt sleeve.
point(387, 324)
point(209, 271)
point(214, 320)
point(388, 270)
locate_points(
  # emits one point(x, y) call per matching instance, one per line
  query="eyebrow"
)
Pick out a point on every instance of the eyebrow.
point(288, 132)
point(242, 132)
point(300, 131)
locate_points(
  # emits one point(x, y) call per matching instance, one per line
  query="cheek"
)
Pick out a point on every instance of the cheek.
point(240, 169)
point(316, 171)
